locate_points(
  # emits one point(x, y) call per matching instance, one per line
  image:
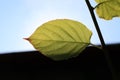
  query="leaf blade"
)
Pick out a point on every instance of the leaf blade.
point(61, 39)
point(108, 9)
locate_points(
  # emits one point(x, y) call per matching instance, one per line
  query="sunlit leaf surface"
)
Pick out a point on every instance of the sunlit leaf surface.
point(61, 39)
point(107, 9)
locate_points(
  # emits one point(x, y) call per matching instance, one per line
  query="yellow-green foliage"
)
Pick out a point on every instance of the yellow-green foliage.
point(61, 39)
point(107, 9)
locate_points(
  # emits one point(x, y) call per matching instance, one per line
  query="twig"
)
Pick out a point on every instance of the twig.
point(107, 56)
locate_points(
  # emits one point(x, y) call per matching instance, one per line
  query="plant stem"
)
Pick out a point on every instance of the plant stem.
point(95, 46)
point(107, 56)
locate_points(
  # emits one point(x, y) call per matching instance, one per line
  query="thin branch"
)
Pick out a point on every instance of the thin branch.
point(95, 23)
point(107, 56)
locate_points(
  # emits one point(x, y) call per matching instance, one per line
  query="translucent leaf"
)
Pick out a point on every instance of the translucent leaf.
point(61, 39)
point(107, 9)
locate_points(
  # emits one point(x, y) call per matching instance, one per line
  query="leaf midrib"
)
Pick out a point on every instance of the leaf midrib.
point(63, 41)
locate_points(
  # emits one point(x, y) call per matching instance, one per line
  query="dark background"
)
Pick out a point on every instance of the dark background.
point(32, 65)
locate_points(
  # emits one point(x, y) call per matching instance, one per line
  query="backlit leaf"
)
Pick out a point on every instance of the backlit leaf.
point(61, 39)
point(107, 9)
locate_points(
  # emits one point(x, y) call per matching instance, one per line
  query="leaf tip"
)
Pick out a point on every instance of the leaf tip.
point(26, 39)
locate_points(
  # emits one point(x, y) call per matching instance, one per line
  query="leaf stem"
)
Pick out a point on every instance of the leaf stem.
point(107, 56)
point(95, 46)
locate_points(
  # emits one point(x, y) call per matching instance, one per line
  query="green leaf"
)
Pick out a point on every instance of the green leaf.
point(107, 9)
point(61, 39)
